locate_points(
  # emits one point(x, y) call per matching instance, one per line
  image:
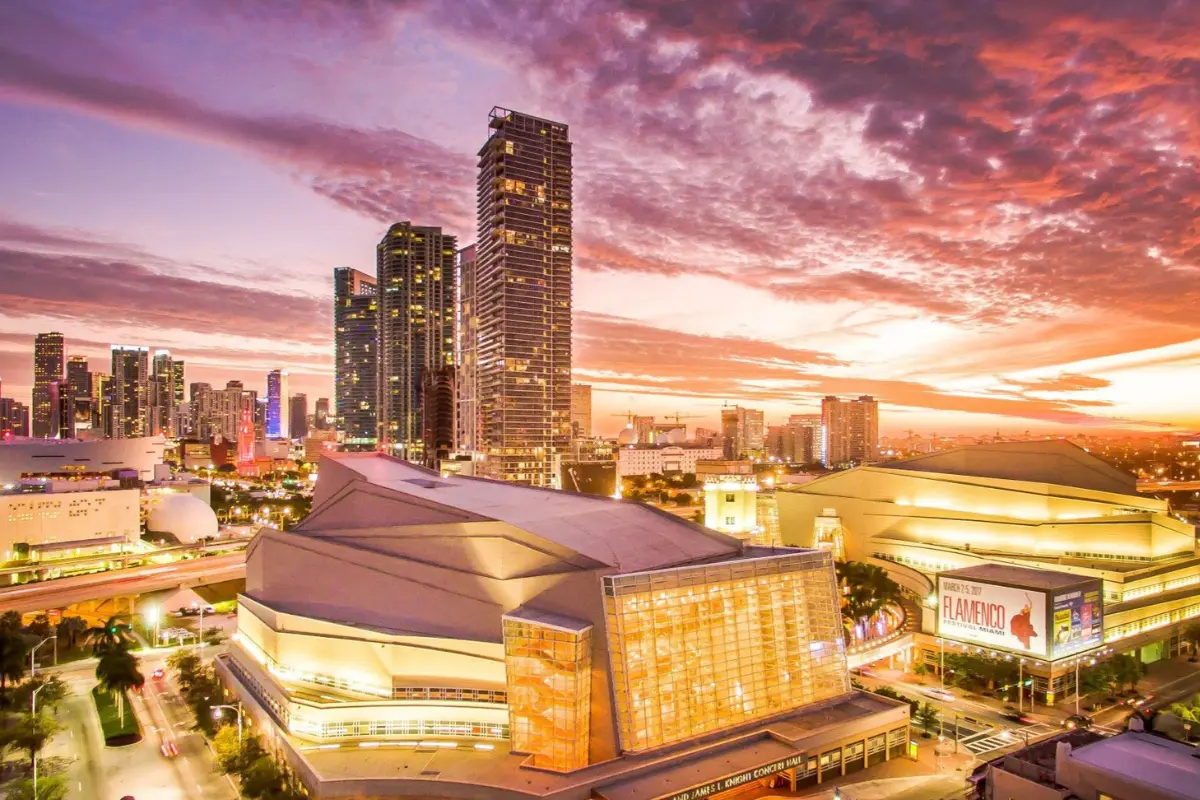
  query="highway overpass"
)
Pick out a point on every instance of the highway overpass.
point(63, 592)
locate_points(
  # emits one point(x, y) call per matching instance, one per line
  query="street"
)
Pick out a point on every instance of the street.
point(143, 770)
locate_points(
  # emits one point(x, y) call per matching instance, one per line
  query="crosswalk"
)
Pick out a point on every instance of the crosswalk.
point(997, 738)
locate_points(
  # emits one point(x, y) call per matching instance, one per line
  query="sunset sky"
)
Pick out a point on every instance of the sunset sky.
point(987, 214)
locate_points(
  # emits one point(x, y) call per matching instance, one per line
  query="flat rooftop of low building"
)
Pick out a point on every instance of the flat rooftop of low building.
point(1008, 575)
point(1149, 760)
point(1055, 461)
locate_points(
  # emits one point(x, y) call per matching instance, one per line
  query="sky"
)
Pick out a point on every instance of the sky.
point(986, 214)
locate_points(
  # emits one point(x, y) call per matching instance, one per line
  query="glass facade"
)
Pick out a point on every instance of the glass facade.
point(356, 331)
point(549, 691)
point(701, 648)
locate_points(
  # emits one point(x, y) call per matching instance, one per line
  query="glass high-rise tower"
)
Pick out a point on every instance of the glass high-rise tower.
point(47, 372)
point(523, 296)
point(355, 338)
point(130, 392)
point(278, 411)
point(415, 276)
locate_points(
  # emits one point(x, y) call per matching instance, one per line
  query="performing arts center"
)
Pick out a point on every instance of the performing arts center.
point(449, 637)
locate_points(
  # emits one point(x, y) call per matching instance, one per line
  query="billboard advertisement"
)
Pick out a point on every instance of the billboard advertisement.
point(1077, 619)
point(1001, 617)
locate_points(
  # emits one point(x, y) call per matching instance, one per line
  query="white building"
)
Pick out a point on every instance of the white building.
point(69, 457)
point(55, 524)
point(645, 460)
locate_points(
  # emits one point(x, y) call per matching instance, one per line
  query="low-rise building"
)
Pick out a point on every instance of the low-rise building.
point(26, 458)
point(1046, 505)
point(422, 635)
point(39, 525)
point(651, 459)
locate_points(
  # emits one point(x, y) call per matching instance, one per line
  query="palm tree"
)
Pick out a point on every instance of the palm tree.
point(866, 590)
point(117, 671)
point(14, 653)
point(70, 629)
point(113, 634)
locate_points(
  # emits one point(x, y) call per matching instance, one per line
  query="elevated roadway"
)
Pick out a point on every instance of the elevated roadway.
point(63, 592)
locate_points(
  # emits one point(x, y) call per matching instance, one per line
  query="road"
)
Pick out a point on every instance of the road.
point(63, 592)
point(143, 770)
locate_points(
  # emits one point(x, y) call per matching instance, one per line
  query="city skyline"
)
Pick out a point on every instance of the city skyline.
point(940, 230)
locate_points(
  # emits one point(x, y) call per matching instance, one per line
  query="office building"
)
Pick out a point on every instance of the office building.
point(524, 297)
point(797, 441)
point(278, 424)
point(79, 391)
point(130, 392)
point(581, 411)
point(79, 379)
point(321, 414)
point(14, 419)
point(743, 432)
point(851, 430)
point(731, 499)
point(533, 641)
point(218, 413)
point(1045, 506)
point(437, 415)
point(47, 372)
point(47, 524)
point(166, 394)
point(102, 402)
point(298, 416)
point(356, 370)
point(468, 432)
point(415, 273)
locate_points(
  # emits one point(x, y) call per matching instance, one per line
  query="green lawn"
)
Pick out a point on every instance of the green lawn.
point(110, 719)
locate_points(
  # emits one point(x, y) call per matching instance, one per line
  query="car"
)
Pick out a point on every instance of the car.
point(1017, 716)
point(158, 674)
point(169, 749)
point(1078, 722)
point(941, 694)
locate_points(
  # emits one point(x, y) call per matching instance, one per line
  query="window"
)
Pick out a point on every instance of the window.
point(730, 520)
point(729, 498)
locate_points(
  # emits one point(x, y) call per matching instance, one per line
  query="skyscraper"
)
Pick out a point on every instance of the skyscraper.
point(356, 328)
point(524, 297)
point(851, 430)
point(102, 402)
point(581, 410)
point(742, 431)
point(437, 414)
point(47, 372)
point(467, 434)
point(79, 392)
point(278, 426)
point(415, 271)
point(298, 416)
point(130, 392)
point(166, 394)
point(321, 414)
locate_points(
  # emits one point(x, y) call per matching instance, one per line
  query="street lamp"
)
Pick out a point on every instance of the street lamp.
point(216, 712)
point(32, 665)
point(153, 616)
point(33, 713)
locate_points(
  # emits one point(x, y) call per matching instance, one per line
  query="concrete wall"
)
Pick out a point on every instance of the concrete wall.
point(67, 517)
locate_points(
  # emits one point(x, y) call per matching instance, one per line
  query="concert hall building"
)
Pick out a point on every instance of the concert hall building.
point(449, 637)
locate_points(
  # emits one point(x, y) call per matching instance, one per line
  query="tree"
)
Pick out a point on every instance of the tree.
point(113, 634)
point(1128, 670)
point(50, 787)
point(70, 629)
point(187, 666)
point(887, 691)
point(262, 778)
point(10, 621)
point(32, 732)
point(1099, 679)
point(232, 756)
point(683, 499)
point(866, 590)
point(40, 627)
point(14, 655)
point(227, 468)
point(928, 716)
point(1191, 634)
point(51, 691)
point(117, 671)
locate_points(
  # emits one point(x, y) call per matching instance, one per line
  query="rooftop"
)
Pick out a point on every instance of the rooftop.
point(1025, 577)
point(1149, 760)
point(1054, 461)
point(375, 492)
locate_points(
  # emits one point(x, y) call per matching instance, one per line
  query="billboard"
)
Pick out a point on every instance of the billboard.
point(1077, 619)
point(1000, 617)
